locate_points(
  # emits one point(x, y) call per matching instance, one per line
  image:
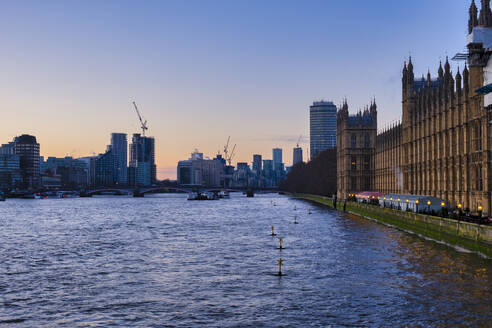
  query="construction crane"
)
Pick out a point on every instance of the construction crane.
point(231, 156)
point(143, 123)
point(299, 140)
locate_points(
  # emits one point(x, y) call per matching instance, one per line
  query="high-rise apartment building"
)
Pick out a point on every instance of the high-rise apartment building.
point(119, 148)
point(142, 168)
point(277, 157)
point(323, 126)
point(297, 156)
point(257, 163)
point(27, 148)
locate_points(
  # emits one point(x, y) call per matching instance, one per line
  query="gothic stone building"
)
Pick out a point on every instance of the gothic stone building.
point(356, 141)
point(442, 147)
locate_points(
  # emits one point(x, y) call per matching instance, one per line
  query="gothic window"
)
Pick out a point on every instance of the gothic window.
point(367, 163)
point(353, 141)
point(367, 141)
point(479, 178)
point(353, 163)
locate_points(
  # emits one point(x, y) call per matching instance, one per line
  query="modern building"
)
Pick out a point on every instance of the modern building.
point(197, 171)
point(71, 173)
point(104, 169)
point(277, 157)
point(119, 147)
point(297, 156)
point(257, 167)
point(323, 126)
point(142, 168)
point(27, 148)
point(10, 171)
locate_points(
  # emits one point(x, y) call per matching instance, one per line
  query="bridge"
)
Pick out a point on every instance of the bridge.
point(142, 191)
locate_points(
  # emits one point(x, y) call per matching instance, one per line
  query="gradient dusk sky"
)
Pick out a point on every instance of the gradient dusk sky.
point(203, 70)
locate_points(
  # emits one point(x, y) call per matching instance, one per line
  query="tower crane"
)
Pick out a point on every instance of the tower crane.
point(143, 122)
point(231, 156)
point(299, 140)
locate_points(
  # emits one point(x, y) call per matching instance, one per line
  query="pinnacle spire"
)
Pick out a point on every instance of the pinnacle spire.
point(473, 20)
point(485, 18)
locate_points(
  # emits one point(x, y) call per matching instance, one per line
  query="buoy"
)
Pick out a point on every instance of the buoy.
point(280, 239)
point(280, 262)
point(295, 208)
point(273, 232)
point(295, 219)
point(309, 212)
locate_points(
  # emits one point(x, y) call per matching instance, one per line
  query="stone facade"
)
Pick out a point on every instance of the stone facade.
point(442, 147)
point(356, 147)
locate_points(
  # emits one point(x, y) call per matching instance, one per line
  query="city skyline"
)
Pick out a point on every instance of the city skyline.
point(217, 67)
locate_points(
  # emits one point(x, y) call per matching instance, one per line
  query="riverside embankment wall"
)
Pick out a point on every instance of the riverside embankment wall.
point(473, 237)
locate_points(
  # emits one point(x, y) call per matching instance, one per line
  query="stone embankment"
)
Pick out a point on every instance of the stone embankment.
point(470, 236)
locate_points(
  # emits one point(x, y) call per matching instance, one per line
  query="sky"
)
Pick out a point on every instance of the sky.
point(201, 71)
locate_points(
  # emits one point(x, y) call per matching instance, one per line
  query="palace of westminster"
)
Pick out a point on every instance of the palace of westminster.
point(442, 146)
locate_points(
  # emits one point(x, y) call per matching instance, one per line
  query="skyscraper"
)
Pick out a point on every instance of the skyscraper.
point(119, 150)
point(142, 167)
point(257, 163)
point(323, 126)
point(297, 156)
point(27, 148)
point(277, 157)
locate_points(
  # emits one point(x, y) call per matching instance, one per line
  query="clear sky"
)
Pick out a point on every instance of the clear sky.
point(203, 70)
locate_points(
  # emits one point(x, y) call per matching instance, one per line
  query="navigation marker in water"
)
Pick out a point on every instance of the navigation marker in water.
point(309, 211)
point(273, 232)
point(280, 262)
point(280, 239)
point(295, 219)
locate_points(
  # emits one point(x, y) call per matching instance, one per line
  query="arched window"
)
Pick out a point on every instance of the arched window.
point(353, 141)
point(367, 141)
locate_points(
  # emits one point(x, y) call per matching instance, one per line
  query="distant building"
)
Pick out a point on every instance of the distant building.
point(277, 157)
point(257, 167)
point(297, 156)
point(67, 172)
point(104, 169)
point(119, 147)
point(323, 126)
point(197, 171)
point(27, 148)
point(10, 171)
point(142, 168)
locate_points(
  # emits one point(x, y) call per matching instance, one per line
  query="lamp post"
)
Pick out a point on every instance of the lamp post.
point(459, 210)
point(480, 209)
point(442, 209)
point(428, 206)
point(406, 201)
point(417, 205)
point(399, 204)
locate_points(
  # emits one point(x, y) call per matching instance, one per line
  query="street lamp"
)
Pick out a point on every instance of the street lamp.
point(428, 206)
point(442, 209)
point(480, 209)
point(417, 205)
point(399, 205)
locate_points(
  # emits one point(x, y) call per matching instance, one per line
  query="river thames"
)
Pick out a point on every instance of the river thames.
point(163, 261)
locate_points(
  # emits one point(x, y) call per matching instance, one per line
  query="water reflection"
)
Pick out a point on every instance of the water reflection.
point(164, 261)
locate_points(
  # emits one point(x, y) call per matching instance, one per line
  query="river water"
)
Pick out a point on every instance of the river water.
point(163, 261)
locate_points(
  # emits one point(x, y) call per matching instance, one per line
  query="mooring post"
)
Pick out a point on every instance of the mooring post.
point(280, 262)
point(295, 219)
point(280, 239)
point(273, 231)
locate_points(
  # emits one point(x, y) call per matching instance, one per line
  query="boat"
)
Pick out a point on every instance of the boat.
point(224, 194)
point(31, 196)
point(250, 193)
